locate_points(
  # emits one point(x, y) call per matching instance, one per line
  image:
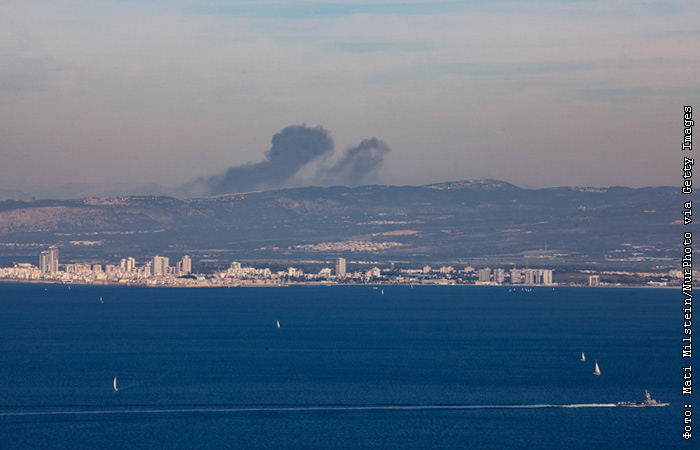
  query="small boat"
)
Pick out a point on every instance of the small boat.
point(597, 369)
point(583, 356)
point(382, 291)
point(278, 324)
point(115, 384)
point(101, 300)
point(647, 402)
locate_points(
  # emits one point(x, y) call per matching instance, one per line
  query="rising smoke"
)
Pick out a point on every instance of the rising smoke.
point(292, 149)
point(358, 164)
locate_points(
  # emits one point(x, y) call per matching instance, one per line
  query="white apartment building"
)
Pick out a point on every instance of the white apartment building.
point(160, 265)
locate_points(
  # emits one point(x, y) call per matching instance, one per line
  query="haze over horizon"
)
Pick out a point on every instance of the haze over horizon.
point(537, 93)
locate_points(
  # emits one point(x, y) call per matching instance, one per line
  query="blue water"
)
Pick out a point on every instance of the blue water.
point(429, 367)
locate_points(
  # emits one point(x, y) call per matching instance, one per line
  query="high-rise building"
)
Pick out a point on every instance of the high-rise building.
point(516, 276)
point(533, 276)
point(48, 260)
point(44, 261)
point(538, 276)
point(485, 274)
point(53, 259)
point(547, 277)
point(235, 270)
point(499, 276)
point(186, 265)
point(160, 265)
point(340, 268)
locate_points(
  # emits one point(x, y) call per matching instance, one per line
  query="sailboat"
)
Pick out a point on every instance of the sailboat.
point(101, 300)
point(597, 369)
point(115, 384)
point(278, 324)
point(583, 356)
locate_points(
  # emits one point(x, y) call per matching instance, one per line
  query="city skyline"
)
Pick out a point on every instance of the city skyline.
point(157, 271)
point(538, 94)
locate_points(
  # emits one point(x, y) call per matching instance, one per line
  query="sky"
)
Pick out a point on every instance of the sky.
point(535, 93)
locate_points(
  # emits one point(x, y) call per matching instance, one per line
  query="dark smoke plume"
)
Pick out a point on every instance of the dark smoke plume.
point(358, 164)
point(293, 148)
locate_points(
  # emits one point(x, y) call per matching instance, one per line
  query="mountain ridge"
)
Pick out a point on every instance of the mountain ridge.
point(72, 191)
point(453, 220)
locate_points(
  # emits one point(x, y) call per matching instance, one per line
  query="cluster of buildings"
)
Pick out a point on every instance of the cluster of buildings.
point(485, 276)
point(158, 271)
point(237, 274)
point(515, 276)
point(349, 246)
point(127, 268)
point(125, 272)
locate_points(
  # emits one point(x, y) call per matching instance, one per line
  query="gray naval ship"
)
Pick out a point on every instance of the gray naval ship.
point(647, 402)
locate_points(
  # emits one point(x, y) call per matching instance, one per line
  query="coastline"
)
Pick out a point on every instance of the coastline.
point(240, 284)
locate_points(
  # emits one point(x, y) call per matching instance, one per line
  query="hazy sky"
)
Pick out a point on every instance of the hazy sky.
point(537, 93)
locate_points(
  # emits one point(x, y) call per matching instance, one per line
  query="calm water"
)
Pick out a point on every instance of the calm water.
point(349, 368)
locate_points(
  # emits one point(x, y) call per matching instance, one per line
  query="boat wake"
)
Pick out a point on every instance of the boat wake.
point(294, 409)
point(590, 405)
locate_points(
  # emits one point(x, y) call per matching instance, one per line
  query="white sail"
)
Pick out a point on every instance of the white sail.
point(278, 324)
point(115, 384)
point(597, 369)
point(583, 356)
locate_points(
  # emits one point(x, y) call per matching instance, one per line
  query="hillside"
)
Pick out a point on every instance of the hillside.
point(447, 221)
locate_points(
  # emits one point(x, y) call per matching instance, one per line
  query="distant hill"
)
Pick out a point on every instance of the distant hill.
point(80, 190)
point(484, 184)
point(453, 221)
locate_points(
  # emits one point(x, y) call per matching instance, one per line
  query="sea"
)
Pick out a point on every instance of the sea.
point(349, 367)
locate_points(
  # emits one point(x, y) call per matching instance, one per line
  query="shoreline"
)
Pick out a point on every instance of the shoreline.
point(328, 284)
